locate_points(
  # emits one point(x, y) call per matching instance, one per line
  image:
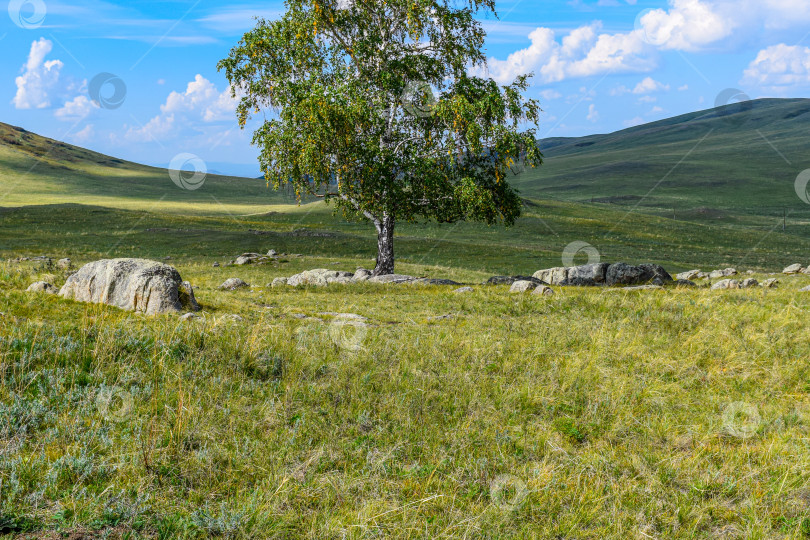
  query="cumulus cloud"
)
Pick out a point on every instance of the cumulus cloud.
point(200, 102)
point(85, 135)
point(780, 68)
point(581, 53)
point(77, 109)
point(39, 78)
point(650, 85)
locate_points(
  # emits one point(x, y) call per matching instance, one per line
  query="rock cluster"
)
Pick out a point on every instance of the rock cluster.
point(594, 275)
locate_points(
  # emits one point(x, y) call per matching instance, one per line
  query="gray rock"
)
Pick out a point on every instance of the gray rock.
point(42, 286)
point(523, 286)
point(391, 278)
point(726, 284)
point(685, 283)
point(431, 281)
point(643, 274)
point(231, 284)
point(543, 290)
point(279, 282)
point(464, 290)
point(189, 317)
point(770, 283)
point(749, 283)
point(510, 280)
point(64, 264)
point(215, 265)
point(361, 274)
point(588, 275)
point(689, 275)
point(805, 289)
point(133, 284)
point(552, 276)
point(320, 277)
point(243, 260)
point(793, 269)
point(727, 272)
point(272, 253)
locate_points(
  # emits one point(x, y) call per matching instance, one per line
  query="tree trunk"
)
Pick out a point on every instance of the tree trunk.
point(385, 247)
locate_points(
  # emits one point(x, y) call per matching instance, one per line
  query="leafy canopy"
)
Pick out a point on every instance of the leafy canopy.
point(374, 107)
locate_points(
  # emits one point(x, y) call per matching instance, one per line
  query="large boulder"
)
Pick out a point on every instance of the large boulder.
point(232, 284)
point(643, 274)
point(523, 286)
point(134, 284)
point(588, 275)
point(793, 269)
point(553, 276)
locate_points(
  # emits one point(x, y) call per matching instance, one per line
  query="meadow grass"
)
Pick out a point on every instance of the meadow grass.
point(590, 414)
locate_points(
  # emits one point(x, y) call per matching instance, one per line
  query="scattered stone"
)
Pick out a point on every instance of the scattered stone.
point(279, 282)
point(794, 269)
point(543, 290)
point(272, 253)
point(510, 280)
point(750, 272)
point(215, 265)
point(688, 276)
point(728, 272)
point(749, 283)
point(805, 289)
point(463, 290)
point(685, 283)
point(770, 283)
point(231, 284)
point(319, 278)
point(726, 284)
point(133, 284)
point(64, 264)
point(391, 278)
point(42, 286)
point(643, 274)
point(523, 286)
point(189, 317)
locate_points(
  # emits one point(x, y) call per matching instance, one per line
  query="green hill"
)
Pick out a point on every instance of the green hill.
point(738, 159)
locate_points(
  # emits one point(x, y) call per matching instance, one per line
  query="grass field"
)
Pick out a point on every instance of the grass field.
point(591, 414)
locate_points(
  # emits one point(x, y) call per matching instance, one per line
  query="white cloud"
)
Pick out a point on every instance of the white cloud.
point(780, 68)
point(656, 110)
point(649, 85)
point(77, 109)
point(593, 114)
point(647, 99)
point(683, 88)
point(84, 135)
point(200, 103)
point(39, 78)
point(580, 53)
point(548, 95)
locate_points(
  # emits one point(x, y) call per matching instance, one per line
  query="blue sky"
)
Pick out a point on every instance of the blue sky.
point(600, 66)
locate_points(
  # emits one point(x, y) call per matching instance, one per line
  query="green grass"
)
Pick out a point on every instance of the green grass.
point(591, 414)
